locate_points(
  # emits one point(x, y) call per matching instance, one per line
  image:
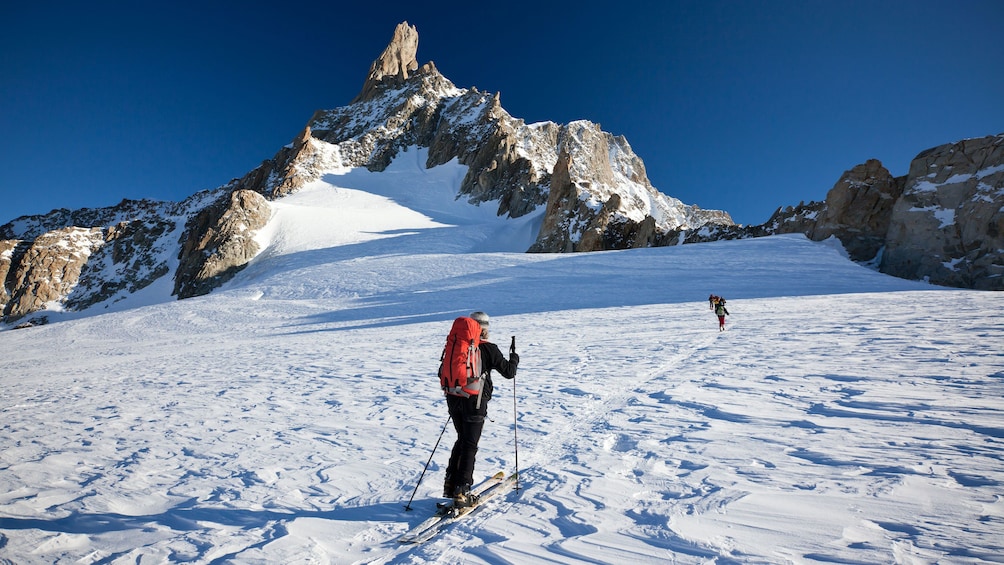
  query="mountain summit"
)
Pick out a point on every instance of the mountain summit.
point(572, 187)
point(587, 186)
point(394, 64)
point(602, 198)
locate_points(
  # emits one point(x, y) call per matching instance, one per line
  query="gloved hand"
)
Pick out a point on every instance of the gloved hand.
point(514, 358)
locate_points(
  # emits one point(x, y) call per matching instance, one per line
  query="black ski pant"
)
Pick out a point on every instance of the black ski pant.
point(468, 420)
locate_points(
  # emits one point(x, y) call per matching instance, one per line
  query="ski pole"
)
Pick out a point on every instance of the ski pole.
point(407, 507)
point(515, 440)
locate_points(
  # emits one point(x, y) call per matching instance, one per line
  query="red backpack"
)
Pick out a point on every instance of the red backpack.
point(460, 367)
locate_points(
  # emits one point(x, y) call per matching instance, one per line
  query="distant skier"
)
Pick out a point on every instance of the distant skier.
point(721, 312)
point(468, 414)
point(712, 300)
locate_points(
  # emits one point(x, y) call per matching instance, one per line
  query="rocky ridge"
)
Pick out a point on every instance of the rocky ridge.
point(939, 222)
point(71, 260)
point(76, 259)
point(942, 222)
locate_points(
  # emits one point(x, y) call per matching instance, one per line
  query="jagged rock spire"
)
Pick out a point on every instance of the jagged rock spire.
point(394, 64)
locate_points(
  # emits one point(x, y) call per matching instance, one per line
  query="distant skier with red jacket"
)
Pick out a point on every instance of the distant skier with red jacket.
point(468, 407)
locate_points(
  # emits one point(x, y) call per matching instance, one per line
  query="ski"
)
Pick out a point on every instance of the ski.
point(443, 509)
point(446, 513)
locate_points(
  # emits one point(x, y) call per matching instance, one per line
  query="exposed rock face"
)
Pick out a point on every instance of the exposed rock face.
point(467, 125)
point(601, 198)
point(132, 256)
point(572, 224)
point(493, 148)
point(8, 250)
point(942, 222)
point(131, 246)
point(509, 162)
point(219, 242)
point(948, 226)
point(135, 255)
point(858, 210)
point(303, 161)
point(45, 261)
point(31, 227)
point(48, 268)
point(394, 65)
point(556, 231)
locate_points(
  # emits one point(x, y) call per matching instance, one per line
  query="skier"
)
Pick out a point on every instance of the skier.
point(468, 414)
point(721, 312)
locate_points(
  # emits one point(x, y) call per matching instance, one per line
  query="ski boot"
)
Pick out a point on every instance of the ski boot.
point(462, 497)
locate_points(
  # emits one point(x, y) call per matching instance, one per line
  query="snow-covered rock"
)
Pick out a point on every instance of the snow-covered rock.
point(510, 163)
point(509, 166)
point(219, 242)
point(50, 262)
point(858, 210)
point(943, 222)
point(583, 188)
point(948, 227)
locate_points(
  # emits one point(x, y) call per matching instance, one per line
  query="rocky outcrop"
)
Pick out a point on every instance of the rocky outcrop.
point(73, 268)
point(30, 227)
point(47, 262)
point(11, 250)
point(393, 66)
point(295, 165)
point(133, 256)
point(491, 147)
point(948, 226)
point(509, 162)
point(858, 210)
point(943, 222)
point(571, 224)
point(557, 232)
point(466, 125)
point(47, 269)
point(611, 203)
point(219, 242)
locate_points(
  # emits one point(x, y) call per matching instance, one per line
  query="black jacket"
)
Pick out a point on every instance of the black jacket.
point(492, 358)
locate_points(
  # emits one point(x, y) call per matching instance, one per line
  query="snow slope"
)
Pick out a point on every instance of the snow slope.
point(845, 416)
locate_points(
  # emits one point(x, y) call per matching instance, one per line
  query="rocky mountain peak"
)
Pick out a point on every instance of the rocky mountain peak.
point(606, 200)
point(943, 222)
point(394, 65)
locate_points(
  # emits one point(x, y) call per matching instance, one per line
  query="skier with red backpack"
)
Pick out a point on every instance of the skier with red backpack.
point(465, 376)
point(721, 312)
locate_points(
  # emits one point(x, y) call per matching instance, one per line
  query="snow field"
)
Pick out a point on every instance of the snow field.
point(845, 416)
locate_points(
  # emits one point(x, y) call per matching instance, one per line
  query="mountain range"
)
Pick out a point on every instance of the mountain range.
point(576, 187)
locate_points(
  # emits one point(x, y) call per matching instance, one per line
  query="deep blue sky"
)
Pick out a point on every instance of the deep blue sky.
point(743, 106)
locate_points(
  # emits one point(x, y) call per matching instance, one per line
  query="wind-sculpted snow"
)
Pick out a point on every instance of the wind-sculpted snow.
point(845, 416)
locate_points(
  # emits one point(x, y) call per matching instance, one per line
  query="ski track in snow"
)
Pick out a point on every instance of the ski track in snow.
point(844, 416)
